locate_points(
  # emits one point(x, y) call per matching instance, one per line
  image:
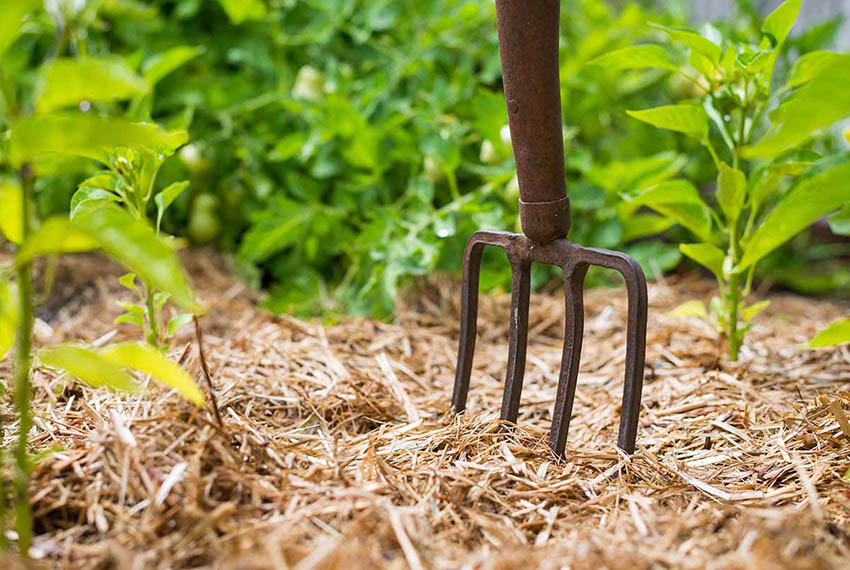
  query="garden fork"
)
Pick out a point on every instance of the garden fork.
point(528, 44)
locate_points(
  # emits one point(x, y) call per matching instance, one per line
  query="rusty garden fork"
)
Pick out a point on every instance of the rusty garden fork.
point(528, 44)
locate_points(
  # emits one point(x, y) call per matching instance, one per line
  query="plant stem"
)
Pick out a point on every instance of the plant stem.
point(23, 362)
point(153, 322)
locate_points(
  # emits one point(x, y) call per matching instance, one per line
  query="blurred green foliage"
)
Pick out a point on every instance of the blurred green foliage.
point(341, 147)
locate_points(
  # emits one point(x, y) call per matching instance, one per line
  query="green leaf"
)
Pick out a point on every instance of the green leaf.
point(804, 204)
point(637, 226)
point(133, 314)
point(138, 247)
point(810, 65)
point(56, 235)
point(165, 198)
point(778, 23)
point(695, 217)
point(68, 81)
point(150, 361)
point(669, 192)
point(818, 104)
point(11, 215)
point(177, 322)
point(731, 191)
point(288, 146)
point(707, 255)
point(635, 57)
point(128, 281)
point(689, 119)
point(241, 10)
point(160, 65)
point(84, 135)
point(89, 366)
point(839, 222)
point(87, 197)
point(8, 315)
point(754, 309)
point(691, 308)
point(834, 334)
point(12, 13)
point(696, 42)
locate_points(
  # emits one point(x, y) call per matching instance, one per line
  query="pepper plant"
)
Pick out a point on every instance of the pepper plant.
point(771, 183)
point(39, 130)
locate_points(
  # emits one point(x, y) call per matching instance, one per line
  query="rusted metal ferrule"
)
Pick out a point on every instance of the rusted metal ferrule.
point(544, 222)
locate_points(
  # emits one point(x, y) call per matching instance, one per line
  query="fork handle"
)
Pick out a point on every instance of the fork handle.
point(528, 46)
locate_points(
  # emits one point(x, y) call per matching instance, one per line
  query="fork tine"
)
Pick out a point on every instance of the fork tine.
point(517, 337)
point(468, 322)
point(635, 353)
point(573, 333)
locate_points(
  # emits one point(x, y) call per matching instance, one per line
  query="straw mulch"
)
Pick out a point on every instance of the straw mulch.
point(337, 450)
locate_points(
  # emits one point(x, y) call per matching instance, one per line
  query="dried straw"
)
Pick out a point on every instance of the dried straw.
point(337, 450)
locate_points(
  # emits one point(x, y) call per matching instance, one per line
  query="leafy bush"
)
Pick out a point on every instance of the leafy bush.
point(342, 147)
point(772, 185)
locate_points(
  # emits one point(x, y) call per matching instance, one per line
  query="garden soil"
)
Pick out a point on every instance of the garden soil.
point(337, 449)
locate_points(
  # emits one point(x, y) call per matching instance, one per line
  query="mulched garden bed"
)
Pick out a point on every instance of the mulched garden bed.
point(337, 449)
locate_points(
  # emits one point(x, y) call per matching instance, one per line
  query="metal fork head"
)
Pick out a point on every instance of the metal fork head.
point(574, 260)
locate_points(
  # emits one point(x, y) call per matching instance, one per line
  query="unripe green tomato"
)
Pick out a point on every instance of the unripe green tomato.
point(488, 154)
point(309, 84)
point(433, 172)
point(505, 134)
point(512, 190)
point(204, 225)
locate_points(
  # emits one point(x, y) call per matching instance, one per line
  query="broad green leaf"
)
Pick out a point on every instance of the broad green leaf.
point(804, 204)
point(764, 187)
point(810, 65)
point(177, 322)
point(731, 191)
point(241, 10)
point(11, 214)
point(689, 119)
point(150, 361)
point(138, 247)
point(695, 217)
point(816, 105)
point(637, 226)
point(160, 65)
point(8, 315)
point(707, 255)
point(68, 81)
point(88, 197)
point(85, 135)
point(12, 13)
point(696, 42)
point(57, 234)
point(691, 308)
point(779, 22)
point(748, 313)
point(89, 366)
point(839, 222)
point(635, 57)
point(669, 192)
point(165, 198)
point(834, 334)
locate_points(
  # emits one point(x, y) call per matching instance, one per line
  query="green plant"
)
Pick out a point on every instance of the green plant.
point(771, 184)
point(341, 148)
point(38, 133)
